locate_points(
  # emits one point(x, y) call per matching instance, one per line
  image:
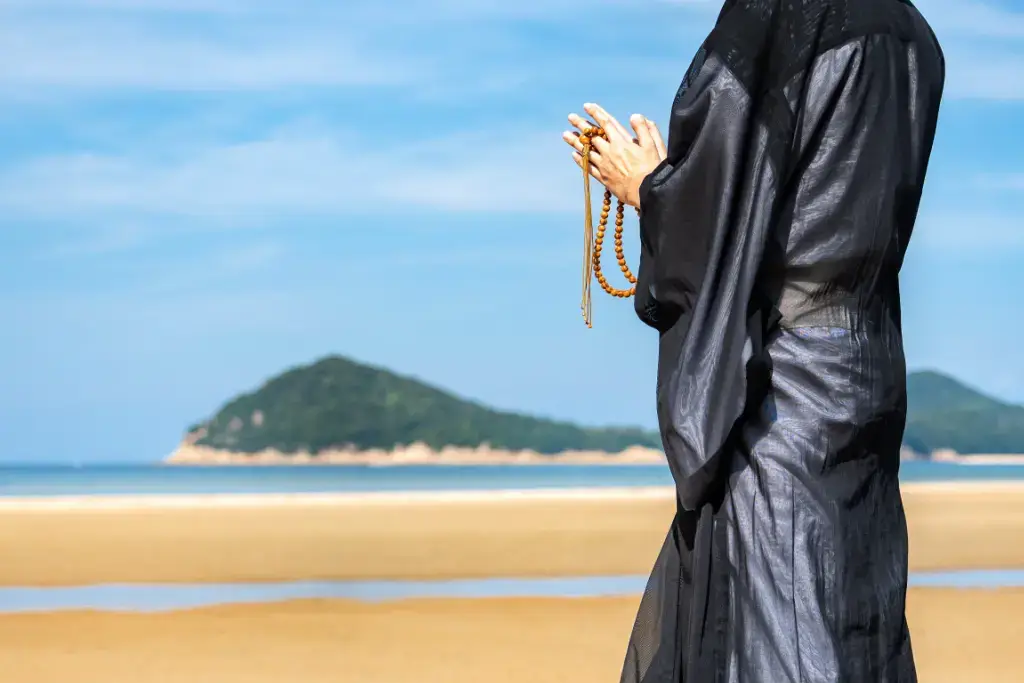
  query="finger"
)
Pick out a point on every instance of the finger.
point(643, 133)
point(580, 122)
point(597, 145)
point(659, 143)
point(600, 146)
point(594, 170)
point(607, 121)
point(572, 138)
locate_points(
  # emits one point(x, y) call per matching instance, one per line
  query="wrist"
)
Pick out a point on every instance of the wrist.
point(633, 194)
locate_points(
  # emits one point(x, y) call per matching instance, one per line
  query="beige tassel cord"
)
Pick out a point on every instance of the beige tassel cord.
point(591, 246)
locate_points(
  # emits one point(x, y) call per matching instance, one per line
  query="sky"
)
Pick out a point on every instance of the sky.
point(198, 194)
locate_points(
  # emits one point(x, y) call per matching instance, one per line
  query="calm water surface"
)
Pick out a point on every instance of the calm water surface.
point(177, 479)
point(30, 481)
point(157, 598)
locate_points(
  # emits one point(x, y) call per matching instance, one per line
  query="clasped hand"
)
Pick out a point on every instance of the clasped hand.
point(621, 162)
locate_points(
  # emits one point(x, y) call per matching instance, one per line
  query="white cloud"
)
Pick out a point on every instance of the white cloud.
point(99, 241)
point(434, 46)
point(971, 18)
point(83, 55)
point(203, 271)
point(1006, 181)
point(224, 45)
point(248, 257)
point(984, 48)
point(131, 5)
point(984, 71)
point(288, 174)
point(260, 45)
point(1001, 81)
point(966, 231)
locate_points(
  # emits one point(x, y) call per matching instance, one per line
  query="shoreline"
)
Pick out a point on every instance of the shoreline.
point(188, 453)
point(191, 454)
point(200, 501)
point(333, 499)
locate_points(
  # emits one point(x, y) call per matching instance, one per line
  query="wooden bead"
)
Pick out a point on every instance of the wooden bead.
point(587, 137)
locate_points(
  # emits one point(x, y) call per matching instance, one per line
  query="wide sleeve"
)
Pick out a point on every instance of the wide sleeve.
point(705, 217)
point(712, 246)
point(675, 226)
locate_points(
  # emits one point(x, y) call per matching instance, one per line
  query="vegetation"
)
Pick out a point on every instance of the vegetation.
point(943, 413)
point(337, 403)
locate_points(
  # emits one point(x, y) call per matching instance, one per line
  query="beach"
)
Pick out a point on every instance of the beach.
point(222, 539)
point(958, 637)
point(959, 634)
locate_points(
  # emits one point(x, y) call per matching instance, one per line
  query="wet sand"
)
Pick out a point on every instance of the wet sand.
point(959, 637)
point(201, 540)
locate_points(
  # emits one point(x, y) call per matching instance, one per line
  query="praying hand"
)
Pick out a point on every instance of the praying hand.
point(621, 162)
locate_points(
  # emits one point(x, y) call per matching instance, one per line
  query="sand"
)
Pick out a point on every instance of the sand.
point(425, 537)
point(188, 453)
point(959, 637)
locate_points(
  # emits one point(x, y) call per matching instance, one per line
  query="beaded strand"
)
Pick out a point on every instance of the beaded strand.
point(592, 246)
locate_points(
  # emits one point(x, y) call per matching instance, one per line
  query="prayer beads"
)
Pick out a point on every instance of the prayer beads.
point(592, 246)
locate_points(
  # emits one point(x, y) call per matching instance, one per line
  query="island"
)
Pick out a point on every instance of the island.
point(339, 411)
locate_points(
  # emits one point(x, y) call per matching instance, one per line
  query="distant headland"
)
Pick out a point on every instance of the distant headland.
point(338, 411)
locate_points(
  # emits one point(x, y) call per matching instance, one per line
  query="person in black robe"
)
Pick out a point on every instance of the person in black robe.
point(773, 229)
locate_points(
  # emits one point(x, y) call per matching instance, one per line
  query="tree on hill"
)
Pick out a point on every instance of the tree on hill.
point(338, 403)
point(944, 413)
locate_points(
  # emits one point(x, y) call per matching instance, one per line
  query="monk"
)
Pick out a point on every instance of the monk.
point(773, 228)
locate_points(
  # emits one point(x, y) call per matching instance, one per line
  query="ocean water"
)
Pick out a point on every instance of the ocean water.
point(35, 481)
point(166, 597)
point(29, 481)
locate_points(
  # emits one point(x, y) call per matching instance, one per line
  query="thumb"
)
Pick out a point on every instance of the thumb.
point(659, 143)
point(643, 133)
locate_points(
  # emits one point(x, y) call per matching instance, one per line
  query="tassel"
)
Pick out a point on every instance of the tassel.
point(586, 305)
point(592, 251)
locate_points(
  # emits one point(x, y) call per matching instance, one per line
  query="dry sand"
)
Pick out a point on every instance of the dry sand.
point(336, 537)
point(959, 637)
point(188, 453)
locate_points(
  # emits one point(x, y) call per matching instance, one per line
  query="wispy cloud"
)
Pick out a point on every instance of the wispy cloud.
point(223, 45)
point(1005, 181)
point(97, 241)
point(177, 6)
point(965, 231)
point(208, 269)
point(312, 168)
point(203, 271)
point(984, 46)
point(289, 174)
point(90, 54)
point(984, 69)
point(431, 46)
point(972, 18)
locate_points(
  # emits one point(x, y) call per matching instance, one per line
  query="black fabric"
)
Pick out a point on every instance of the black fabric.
point(771, 242)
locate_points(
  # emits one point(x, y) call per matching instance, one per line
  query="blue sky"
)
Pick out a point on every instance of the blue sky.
point(196, 194)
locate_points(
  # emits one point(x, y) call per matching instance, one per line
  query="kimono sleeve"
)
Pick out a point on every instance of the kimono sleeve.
point(677, 200)
point(705, 216)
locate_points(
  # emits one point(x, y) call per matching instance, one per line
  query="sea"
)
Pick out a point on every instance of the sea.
point(169, 480)
point(18, 481)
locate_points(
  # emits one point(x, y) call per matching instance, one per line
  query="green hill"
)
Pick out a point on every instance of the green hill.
point(943, 413)
point(336, 402)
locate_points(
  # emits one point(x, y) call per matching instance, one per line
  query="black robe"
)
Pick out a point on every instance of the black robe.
point(772, 237)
